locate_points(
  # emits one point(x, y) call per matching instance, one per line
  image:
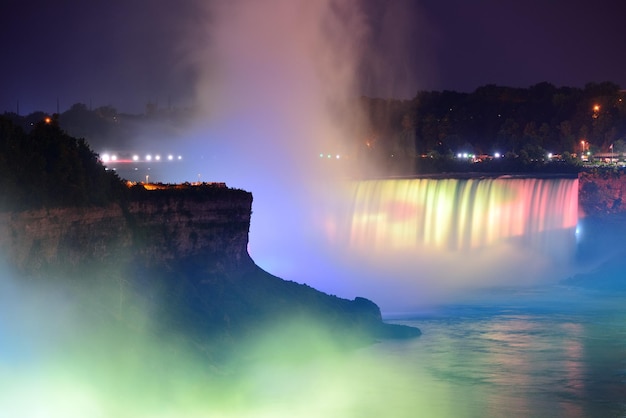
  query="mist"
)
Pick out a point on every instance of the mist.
point(276, 88)
point(65, 352)
point(278, 115)
point(278, 91)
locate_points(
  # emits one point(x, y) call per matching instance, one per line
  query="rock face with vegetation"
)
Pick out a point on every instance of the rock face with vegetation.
point(602, 192)
point(602, 215)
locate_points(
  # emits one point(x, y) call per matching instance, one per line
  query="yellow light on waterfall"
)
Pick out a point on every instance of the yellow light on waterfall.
point(456, 214)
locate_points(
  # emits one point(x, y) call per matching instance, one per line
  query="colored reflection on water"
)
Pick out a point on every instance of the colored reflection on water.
point(558, 355)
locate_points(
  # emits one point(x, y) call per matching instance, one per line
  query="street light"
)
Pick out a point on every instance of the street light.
point(596, 111)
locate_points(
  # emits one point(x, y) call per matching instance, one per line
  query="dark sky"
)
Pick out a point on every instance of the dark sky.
point(128, 53)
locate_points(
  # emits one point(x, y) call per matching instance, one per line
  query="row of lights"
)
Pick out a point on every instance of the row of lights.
point(337, 157)
point(495, 155)
point(106, 158)
point(468, 155)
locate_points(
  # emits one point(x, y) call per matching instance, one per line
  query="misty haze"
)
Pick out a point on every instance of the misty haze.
point(515, 276)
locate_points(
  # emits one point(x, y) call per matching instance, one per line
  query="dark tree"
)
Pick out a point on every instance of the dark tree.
point(46, 168)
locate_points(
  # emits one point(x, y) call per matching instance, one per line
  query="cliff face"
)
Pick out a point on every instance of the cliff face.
point(182, 252)
point(602, 193)
point(32, 240)
point(154, 231)
point(603, 249)
point(215, 228)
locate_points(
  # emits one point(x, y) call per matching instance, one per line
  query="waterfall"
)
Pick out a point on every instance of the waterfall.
point(459, 214)
point(408, 241)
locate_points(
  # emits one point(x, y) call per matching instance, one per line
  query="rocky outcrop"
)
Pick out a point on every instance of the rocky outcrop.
point(183, 251)
point(602, 192)
point(158, 228)
point(602, 214)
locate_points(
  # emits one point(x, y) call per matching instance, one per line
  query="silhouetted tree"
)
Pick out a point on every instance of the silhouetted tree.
point(46, 168)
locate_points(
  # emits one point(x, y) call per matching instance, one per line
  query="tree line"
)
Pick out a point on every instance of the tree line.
point(46, 167)
point(424, 134)
point(105, 127)
point(524, 123)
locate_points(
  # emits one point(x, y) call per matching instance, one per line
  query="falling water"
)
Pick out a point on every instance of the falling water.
point(410, 240)
point(459, 214)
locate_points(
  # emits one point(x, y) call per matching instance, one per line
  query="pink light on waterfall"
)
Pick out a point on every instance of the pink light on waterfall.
point(411, 242)
point(458, 214)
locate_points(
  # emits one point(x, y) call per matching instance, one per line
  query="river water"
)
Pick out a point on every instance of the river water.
point(550, 352)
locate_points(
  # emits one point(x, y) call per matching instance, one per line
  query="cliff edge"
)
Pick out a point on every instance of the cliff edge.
point(182, 251)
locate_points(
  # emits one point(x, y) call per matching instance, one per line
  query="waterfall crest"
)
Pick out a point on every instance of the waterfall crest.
point(459, 214)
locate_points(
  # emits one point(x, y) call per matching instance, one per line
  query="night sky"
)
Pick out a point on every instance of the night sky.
point(128, 53)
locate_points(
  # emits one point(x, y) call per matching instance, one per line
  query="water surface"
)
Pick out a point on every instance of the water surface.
point(544, 352)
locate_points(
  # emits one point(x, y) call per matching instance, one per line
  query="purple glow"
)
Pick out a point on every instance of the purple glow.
point(278, 93)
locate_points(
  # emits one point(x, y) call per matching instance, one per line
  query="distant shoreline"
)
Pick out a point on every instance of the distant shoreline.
point(476, 175)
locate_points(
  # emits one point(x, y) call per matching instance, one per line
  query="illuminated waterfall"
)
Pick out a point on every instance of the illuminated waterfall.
point(459, 214)
point(407, 242)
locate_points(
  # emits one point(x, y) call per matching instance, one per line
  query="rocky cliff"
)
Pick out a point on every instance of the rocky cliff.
point(601, 248)
point(183, 251)
point(156, 228)
point(602, 192)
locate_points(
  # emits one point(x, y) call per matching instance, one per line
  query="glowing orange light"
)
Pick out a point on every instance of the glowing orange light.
point(47, 120)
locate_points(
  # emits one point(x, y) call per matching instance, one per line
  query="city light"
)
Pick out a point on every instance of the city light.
point(330, 156)
point(596, 111)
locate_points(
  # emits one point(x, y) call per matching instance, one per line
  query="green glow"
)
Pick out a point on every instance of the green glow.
point(60, 357)
point(293, 370)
